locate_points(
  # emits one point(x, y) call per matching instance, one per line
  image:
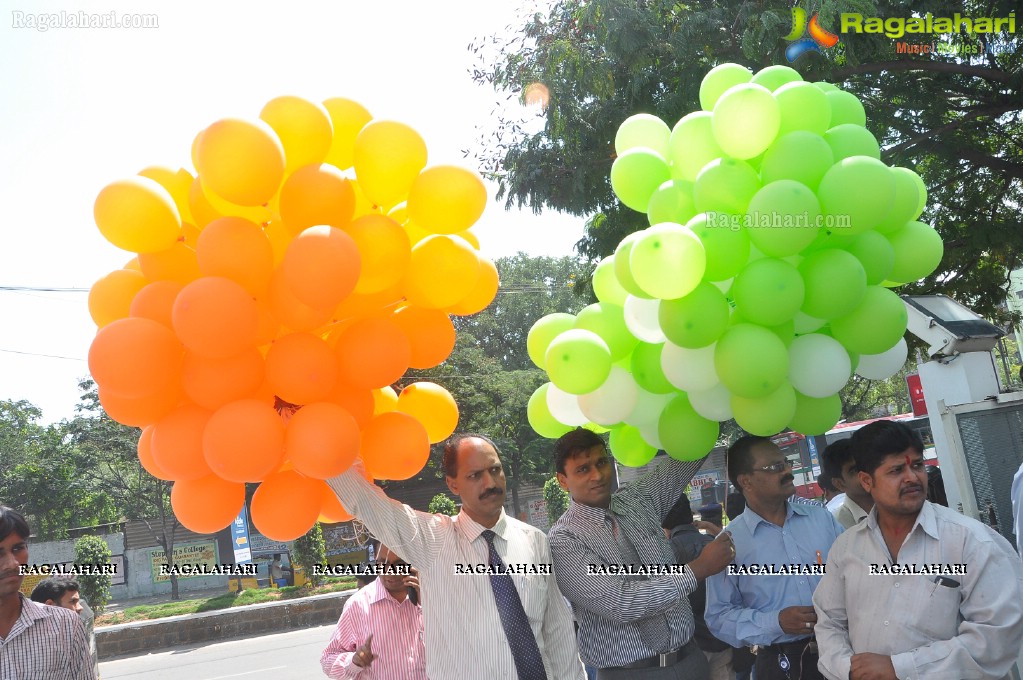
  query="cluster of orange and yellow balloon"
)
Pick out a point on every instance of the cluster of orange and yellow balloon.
point(275, 297)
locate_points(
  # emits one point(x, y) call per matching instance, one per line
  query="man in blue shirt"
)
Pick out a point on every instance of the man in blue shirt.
point(766, 597)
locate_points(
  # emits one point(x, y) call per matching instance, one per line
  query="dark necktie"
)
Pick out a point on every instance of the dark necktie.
point(528, 662)
point(654, 629)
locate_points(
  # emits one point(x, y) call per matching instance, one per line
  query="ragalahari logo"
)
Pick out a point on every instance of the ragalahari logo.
point(819, 37)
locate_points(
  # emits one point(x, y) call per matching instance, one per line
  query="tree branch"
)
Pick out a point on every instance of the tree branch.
point(982, 72)
point(993, 111)
point(1008, 169)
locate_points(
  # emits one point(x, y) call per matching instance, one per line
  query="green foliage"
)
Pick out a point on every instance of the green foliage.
point(310, 550)
point(556, 498)
point(442, 504)
point(93, 550)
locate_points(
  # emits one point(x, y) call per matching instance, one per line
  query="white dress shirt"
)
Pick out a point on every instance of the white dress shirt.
point(464, 635)
point(1017, 507)
point(931, 631)
point(849, 514)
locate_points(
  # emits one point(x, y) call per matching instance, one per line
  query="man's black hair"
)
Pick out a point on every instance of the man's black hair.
point(449, 462)
point(11, 521)
point(735, 503)
point(740, 457)
point(53, 588)
point(872, 443)
point(572, 443)
point(680, 513)
point(834, 457)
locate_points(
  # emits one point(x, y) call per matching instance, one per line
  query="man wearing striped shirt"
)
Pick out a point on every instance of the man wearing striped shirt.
point(381, 611)
point(628, 621)
point(473, 620)
point(37, 642)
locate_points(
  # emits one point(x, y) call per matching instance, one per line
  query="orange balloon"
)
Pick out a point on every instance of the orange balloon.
point(212, 383)
point(301, 368)
point(133, 265)
point(372, 353)
point(442, 271)
point(348, 117)
point(291, 312)
point(332, 512)
point(321, 266)
point(155, 301)
point(279, 236)
point(138, 215)
point(199, 205)
point(385, 400)
point(482, 294)
point(252, 213)
point(244, 441)
point(177, 263)
point(135, 357)
point(447, 199)
point(141, 411)
point(241, 161)
point(215, 317)
point(286, 505)
point(358, 401)
point(322, 440)
point(208, 504)
point(146, 456)
point(190, 233)
point(110, 298)
point(431, 335)
point(239, 250)
point(177, 442)
point(394, 446)
point(385, 250)
point(431, 405)
point(176, 182)
point(304, 129)
point(269, 326)
point(358, 305)
point(317, 195)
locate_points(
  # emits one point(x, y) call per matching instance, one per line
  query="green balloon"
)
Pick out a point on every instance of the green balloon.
point(578, 361)
point(815, 416)
point(623, 267)
point(725, 243)
point(543, 332)
point(719, 80)
point(696, 320)
point(628, 447)
point(801, 156)
point(918, 251)
point(746, 120)
point(691, 146)
point(786, 332)
point(768, 415)
point(685, 434)
point(751, 360)
point(646, 369)
point(852, 140)
point(672, 202)
point(784, 218)
point(608, 321)
point(774, 77)
point(873, 327)
point(643, 129)
point(921, 192)
point(725, 185)
point(835, 283)
point(636, 174)
point(768, 292)
point(825, 87)
point(667, 261)
point(876, 255)
point(605, 283)
point(857, 191)
point(845, 108)
point(907, 199)
point(540, 418)
point(803, 107)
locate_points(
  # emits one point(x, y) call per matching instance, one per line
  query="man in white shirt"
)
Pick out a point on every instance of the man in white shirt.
point(916, 590)
point(493, 608)
point(839, 464)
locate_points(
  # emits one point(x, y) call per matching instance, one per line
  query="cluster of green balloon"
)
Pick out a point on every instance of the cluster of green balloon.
point(762, 284)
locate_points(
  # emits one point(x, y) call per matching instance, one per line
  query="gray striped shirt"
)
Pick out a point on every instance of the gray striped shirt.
point(46, 643)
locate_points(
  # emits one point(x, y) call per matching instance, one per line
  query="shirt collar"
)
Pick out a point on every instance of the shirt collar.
point(752, 519)
point(926, 519)
point(588, 512)
point(684, 529)
point(379, 593)
point(472, 529)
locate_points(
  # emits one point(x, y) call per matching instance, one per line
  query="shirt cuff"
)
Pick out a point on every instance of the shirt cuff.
point(905, 667)
point(685, 581)
point(769, 624)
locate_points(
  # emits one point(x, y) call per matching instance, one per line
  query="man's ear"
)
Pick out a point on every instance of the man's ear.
point(866, 480)
point(452, 483)
point(839, 484)
point(52, 603)
point(562, 481)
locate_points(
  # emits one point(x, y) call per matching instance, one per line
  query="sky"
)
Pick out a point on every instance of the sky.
point(83, 107)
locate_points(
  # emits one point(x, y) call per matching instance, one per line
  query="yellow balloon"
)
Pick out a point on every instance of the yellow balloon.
point(442, 271)
point(385, 250)
point(431, 405)
point(446, 199)
point(471, 238)
point(110, 297)
point(138, 215)
point(202, 212)
point(415, 232)
point(241, 161)
point(304, 128)
point(364, 206)
point(385, 399)
point(253, 213)
point(176, 182)
point(388, 157)
point(133, 265)
point(348, 118)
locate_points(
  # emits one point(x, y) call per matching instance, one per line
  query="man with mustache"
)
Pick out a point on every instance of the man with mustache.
point(915, 590)
point(492, 608)
point(765, 598)
point(37, 642)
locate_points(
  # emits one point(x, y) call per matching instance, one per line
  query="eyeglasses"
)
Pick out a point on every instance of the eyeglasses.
point(774, 467)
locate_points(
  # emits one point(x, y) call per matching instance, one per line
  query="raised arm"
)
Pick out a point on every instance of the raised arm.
point(663, 485)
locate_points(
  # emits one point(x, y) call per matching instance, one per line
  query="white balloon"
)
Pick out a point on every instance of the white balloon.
point(724, 286)
point(641, 318)
point(613, 401)
point(883, 365)
point(713, 404)
point(650, 435)
point(807, 324)
point(565, 407)
point(818, 365)
point(689, 369)
point(648, 408)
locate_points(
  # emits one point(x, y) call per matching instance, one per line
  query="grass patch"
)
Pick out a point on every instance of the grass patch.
point(148, 612)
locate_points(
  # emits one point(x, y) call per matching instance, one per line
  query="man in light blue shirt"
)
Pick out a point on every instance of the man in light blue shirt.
point(766, 597)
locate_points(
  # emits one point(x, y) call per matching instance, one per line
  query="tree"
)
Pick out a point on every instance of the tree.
point(93, 551)
point(310, 550)
point(556, 499)
point(442, 504)
point(954, 118)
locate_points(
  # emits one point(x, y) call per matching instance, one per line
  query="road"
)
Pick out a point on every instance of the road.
point(294, 655)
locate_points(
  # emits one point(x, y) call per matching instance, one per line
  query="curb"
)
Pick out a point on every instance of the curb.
point(129, 639)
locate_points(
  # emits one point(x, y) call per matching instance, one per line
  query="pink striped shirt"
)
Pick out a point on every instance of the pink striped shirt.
point(397, 629)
